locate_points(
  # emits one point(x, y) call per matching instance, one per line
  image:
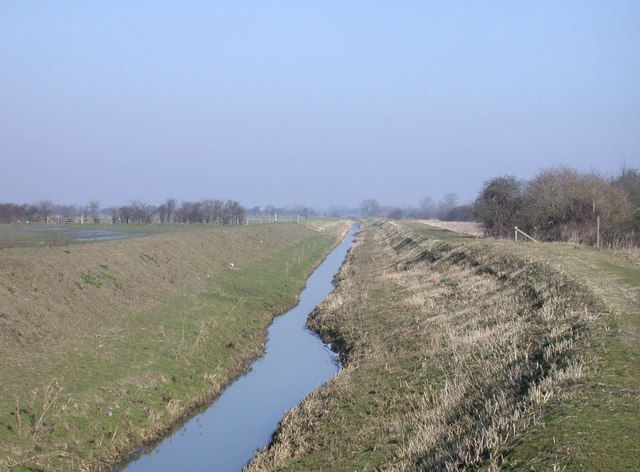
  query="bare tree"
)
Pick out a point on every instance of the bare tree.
point(499, 204)
point(11, 212)
point(170, 205)
point(136, 212)
point(115, 218)
point(629, 182)
point(189, 212)
point(218, 208)
point(451, 199)
point(162, 213)
point(395, 213)
point(427, 208)
point(447, 204)
point(94, 209)
point(44, 209)
point(68, 211)
point(209, 211)
point(233, 213)
point(369, 208)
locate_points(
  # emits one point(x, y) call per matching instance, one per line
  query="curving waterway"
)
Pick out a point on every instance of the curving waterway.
point(227, 434)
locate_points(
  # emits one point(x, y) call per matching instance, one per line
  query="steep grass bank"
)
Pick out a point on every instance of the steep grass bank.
point(460, 353)
point(106, 345)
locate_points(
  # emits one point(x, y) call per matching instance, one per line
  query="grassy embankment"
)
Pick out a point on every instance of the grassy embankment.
point(468, 353)
point(106, 345)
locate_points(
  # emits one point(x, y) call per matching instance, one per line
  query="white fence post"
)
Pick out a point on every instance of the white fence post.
point(518, 230)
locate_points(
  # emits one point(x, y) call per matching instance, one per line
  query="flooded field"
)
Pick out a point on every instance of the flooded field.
point(26, 235)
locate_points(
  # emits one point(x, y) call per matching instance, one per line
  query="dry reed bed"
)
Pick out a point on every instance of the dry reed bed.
point(450, 352)
point(463, 227)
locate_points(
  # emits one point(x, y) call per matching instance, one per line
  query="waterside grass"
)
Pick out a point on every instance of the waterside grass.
point(106, 346)
point(472, 354)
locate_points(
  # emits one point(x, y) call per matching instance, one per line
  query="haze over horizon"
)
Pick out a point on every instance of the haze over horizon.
point(316, 103)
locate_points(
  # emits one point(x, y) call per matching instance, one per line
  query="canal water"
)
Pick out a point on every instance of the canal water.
point(227, 435)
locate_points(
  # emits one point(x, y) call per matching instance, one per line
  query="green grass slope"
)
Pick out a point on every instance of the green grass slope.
point(107, 345)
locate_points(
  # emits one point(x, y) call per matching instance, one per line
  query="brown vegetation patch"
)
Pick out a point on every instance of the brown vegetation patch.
point(449, 358)
point(463, 227)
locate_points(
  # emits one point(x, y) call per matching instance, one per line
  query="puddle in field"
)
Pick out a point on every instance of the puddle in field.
point(73, 234)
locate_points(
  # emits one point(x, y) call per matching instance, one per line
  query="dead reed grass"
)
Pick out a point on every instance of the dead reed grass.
point(463, 227)
point(451, 353)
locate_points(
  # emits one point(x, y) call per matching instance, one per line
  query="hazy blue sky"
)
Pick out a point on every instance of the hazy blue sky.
point(312, 102)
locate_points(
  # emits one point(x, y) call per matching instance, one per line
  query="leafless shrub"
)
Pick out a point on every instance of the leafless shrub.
point(563, 204)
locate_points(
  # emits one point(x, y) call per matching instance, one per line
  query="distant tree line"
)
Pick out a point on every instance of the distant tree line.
point(446, 209)
point(207, 211)
point(558, 204)
point(13, 212)
point(563, 204)
point(271, 210)
point(225, 213)
point(221, 212)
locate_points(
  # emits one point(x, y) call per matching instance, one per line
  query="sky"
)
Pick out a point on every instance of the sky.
point(317, 103)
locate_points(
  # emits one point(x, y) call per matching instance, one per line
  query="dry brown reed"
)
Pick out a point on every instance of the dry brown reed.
point(479, 341)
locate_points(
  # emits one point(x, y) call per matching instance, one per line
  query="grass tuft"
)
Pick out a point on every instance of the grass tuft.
point(90, 279)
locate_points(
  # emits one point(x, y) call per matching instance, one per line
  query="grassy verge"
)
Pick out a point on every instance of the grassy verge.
point(107, 345)
point(465, 353)
point(598, 427)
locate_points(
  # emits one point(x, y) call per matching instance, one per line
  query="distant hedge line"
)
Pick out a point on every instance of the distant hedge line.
point(228, 212)
point(563, 204)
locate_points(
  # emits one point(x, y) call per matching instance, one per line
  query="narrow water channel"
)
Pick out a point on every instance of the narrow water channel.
point(227, 435)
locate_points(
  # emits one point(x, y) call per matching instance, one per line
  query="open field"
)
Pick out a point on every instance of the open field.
point(37, 235)
point(42, 235)
point(106, 345)
point(469, 353)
